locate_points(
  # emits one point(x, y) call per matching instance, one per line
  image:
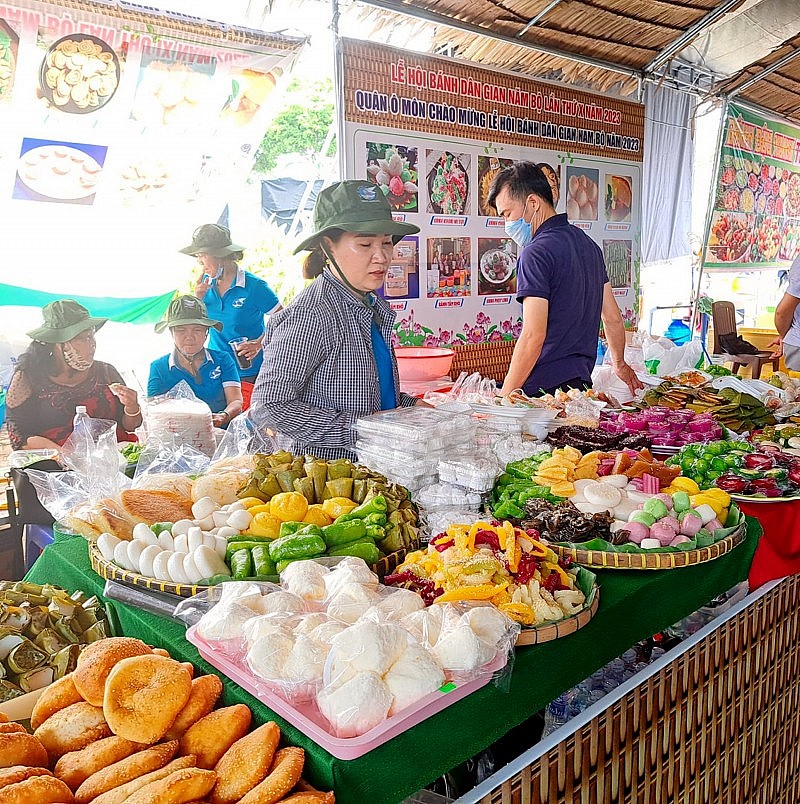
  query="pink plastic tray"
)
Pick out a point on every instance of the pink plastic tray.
point(308, 719)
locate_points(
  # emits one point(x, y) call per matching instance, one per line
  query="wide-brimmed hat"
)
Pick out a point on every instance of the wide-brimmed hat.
point(185, 310)
point(354, 206)
point(211, 239)
point(63, 320)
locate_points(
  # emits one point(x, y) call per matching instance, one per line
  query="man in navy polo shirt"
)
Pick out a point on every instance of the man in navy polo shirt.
point(211, 374)
point(563, 287)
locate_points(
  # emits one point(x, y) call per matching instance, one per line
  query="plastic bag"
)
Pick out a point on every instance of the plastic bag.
point(169, 466)
point(92, 453)
point(243, 438)
point(664, 358)
point(605, 380)
point(179, 418)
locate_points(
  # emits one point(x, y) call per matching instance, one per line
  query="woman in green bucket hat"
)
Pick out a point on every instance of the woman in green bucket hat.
point(328, 358)
point(58, 373)
point(210, 373)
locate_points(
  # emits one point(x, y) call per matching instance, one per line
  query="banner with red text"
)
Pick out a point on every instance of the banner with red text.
point(431, 133)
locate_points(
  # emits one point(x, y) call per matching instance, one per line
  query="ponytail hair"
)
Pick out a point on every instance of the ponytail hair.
point(317, 259)
point(314, 263)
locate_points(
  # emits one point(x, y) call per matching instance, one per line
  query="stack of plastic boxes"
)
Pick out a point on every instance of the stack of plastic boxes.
point(407, 444)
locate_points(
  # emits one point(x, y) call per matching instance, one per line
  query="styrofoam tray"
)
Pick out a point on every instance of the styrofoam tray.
point(308, 719)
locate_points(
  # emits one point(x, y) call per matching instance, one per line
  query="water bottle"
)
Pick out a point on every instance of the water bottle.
point(80, 419)
point(557, 713)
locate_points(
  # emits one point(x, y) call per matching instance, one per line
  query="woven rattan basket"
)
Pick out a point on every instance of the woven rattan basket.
point(652, 559)
point(111, 572)
point(489, 359)
point(562, 628)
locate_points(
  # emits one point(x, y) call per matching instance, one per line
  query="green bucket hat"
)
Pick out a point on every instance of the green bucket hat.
point(184, 310)
point(354, 206)
point(63, 320)
point(212, 239)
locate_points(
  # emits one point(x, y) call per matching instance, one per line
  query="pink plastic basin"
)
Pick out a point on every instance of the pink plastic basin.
point(415, 363)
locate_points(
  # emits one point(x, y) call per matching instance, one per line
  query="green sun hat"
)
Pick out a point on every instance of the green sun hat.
point(184, 310)
point(354, 206)
point(211, 239)
point(63, 320)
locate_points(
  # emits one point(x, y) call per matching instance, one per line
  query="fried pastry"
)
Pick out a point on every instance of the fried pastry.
point(39, 789)
point(144, 695)
point(245, 764)
point(72, 728)
point(98, 659)
point(118, 795)
point(22, 749)
point(59, 695)
point(76, 767)
point(205, 692)
point(283, 776)
point(214, 734)
point(179, 787)
point(125, 770)
point(18, 773)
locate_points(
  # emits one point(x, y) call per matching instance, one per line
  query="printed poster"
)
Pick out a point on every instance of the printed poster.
point(432, 133)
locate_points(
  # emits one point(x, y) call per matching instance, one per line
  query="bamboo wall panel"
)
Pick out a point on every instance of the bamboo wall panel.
point(720, 725)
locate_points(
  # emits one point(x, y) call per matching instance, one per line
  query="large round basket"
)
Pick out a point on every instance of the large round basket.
point(111, 572)
point(652, 559)
point(562, 628)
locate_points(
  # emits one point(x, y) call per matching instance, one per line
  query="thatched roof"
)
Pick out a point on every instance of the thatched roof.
point(605, 45)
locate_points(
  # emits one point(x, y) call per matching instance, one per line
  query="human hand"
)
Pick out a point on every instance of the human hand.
point(778, 350)
point(128, 397)
point(248, 349)
point(219, 419)
point(420, 404)
point(201, 288)
point(628, 376)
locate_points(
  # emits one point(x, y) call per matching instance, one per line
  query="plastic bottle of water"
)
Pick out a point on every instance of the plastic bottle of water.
point(558, 712)
point(80, 419)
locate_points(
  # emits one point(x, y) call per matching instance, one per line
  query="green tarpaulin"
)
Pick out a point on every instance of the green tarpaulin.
point(146, 310)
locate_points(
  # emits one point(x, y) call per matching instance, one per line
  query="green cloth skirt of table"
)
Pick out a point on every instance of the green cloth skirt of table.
point(633, 606)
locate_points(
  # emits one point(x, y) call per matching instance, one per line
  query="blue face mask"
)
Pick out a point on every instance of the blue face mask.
point(520, 230)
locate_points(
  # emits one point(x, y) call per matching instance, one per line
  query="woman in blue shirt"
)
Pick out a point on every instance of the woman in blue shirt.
point(328, 358)
point(211, 374)
point(236, 298)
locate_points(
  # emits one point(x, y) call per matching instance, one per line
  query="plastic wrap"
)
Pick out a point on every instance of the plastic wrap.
point(473, 472)
point(417, 429)
point(446, 495)
point(167, 465)
point(92, 453)
point(513, 448)
point(179, 418)
point(242, 437)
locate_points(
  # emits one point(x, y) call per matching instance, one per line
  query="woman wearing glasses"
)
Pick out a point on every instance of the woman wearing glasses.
point(57, 373)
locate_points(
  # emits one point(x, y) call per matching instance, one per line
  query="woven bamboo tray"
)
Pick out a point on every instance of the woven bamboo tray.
point(651, 559)
point(111, 572)
point(562, 628)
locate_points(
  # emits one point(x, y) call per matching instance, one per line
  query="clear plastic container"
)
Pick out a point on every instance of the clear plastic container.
point(416, 427)
point(472, 472)
point(446, 495)
point(390, 455)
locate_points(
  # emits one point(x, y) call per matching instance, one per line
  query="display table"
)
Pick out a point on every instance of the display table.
point(633, 606)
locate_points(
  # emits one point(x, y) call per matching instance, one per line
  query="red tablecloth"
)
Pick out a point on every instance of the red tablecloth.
point(778, 551)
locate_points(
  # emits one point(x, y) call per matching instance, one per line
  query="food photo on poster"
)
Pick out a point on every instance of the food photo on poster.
point(497, 266)
point(582, 193)
point(394, 169)
point(449, 267)
point(9, 53)
point(402, 275)
point(448, 182)
point(617, 256)
point(59, 172)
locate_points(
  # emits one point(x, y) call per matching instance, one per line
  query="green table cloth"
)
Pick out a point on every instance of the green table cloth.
point(633, 606)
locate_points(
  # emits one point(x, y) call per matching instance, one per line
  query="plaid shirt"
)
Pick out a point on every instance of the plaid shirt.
point(319, 372)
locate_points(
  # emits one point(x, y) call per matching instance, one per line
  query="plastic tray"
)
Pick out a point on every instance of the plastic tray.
point(388, 456)
point(308, 719)
point(477, 474)
point(415, 426)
